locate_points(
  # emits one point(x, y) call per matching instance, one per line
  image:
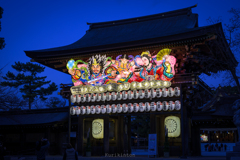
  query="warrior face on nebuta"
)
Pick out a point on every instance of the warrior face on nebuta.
point(96, 65)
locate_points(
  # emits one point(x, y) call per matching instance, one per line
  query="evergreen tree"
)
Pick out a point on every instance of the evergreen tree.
point(30, 84)
point(2, 41)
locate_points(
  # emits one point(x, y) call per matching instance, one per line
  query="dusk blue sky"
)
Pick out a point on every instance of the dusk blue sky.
point(41, 24)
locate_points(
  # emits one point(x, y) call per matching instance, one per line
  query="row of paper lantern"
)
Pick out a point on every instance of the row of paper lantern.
point(124, 108)
point(135, 94)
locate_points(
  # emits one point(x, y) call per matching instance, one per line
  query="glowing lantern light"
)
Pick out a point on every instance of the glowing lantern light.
point(135, 107)
point(142, 107)
point(88, 108)
point(124, 95)
point(109, 108)
point(165, 105)
point(147, 93)
point(72, 110)
point(177, 91)
point(125, 108)
point(159, 106)
point(73, 98)
point(99, 96)
point(114, 108)
point(172, 123)
point(147, 107)
point(153, 106)
point(98, 109)
point(83, 109)
point(88, 97)
point(171, 105)
point(130, 94)
point(93, 110)
point(83, 98)
point(78, 110)
point(103, 109)
point(158, 92)
point(133, 85)
point(78, 98)
point(119, 108)
point(177, 105)
point(153, 93)
point(108, 96)
point(93, 97)
point(114, 96)
point(135, 94)
point(170, 92)
point(164, 92)
point(141, 94)
point(103, 96)
point(98, 128)
point(119, 96)
point(130, 107)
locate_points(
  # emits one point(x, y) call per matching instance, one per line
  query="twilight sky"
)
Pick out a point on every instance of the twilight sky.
point(42, 24)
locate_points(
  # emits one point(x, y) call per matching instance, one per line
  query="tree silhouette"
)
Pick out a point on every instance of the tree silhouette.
point(30, 84)
point(2, 41)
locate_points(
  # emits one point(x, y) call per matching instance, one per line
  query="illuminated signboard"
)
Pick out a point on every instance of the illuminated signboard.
point(97, 128)
point(101, 74)
point(173, 125)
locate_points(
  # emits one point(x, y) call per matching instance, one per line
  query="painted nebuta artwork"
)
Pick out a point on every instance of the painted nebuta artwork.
point(100, 70)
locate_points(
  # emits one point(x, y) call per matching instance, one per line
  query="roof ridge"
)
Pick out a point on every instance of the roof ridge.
point(183, 11)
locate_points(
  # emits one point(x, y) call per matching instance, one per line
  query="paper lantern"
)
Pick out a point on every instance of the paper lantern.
point(88, 97)
point(159, 106)
point(124, 95)
point(153, 93)
point(108, 96)
point(130, 107)
point(136, 107)
point(74, 98)
point(171, 105)
point(147, 105)
point(141, 94)
point(109, 108)
point(135, 94)
point(164, 92)
point(83, 110)
point(99, 97)
point(77, 110)
point(72, 110)
point(130, 94)
point(83, 98)
point(147, 93)
point(177, 91)
point(153, 106)
point(78, 98)
point(93, 110)
point(98, 128)
point(103, 96)
point(93, 97)
point(172, 123)
point(119, 96)
point(119, 108)
point(124, 107)
point(158, 93)
point(114, 96)
point(98, 109)
point(142, 107)
point(165, 105)
point(103, 109)
point(114, 108)
point(88, 109)
point(170, 92)
point(177, 105)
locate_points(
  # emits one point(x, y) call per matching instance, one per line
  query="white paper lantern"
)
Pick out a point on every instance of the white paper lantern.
point(98, 109)
point(72, 110)
point(141, 94)
point(108, 96)
point(172, 123)
point(114, 108)
point(103, 96)
point(77, 110)
point(103, 109)
point(153, 106)
point(171, 105)
point(83, 110)
point(88, 97)
point(78, 98)
point(170, 92)
point(83, 98)
point(119, 108)
point(130, 94)
point(88, 108)
point(119, 96)
point(142, 107)
point(99, 97)
point(93, 109)
point(98, 128)
point(124, 107)
point(153, 93)
point(124, 95)
point(136, 107)
point(109, 108)
point(158, 93)
point(73, 98)
point(93, 97)
point(147, 107)
point(165, 105)
point(130, 107)
point(159, 106)
point(164, 92)
point(177, 105)
point(177, 91)
point(135, 94)
point(114, 96)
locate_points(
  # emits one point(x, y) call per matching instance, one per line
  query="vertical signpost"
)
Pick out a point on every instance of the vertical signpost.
point(152, 145)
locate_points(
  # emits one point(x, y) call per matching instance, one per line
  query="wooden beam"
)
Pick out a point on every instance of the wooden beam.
point(65, 70)
point(60, 65)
